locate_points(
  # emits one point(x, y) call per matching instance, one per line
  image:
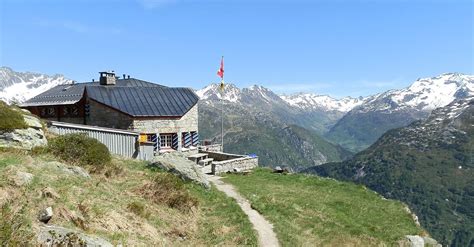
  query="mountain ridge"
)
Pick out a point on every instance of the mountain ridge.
point(16, 87)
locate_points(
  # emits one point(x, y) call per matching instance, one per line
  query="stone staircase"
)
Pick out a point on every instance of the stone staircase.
point(203, 161)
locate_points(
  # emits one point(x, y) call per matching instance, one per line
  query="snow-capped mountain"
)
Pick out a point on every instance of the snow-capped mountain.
point(20, 86)
point(309, 101)
point(302, 101)
point(365, 123)
point(234, 94)
point(213, 92)
point(425, 94)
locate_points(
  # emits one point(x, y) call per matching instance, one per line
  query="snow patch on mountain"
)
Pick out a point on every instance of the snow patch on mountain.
point(231, 93)
point(431, 93)
point(310, 101)
point(424, 94)
point(21, 86)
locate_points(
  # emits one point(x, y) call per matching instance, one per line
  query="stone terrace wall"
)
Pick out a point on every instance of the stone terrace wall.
point(219, 156)
point(239, 164)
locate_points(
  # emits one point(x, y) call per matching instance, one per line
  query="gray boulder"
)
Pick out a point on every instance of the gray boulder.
point(28, 138)
point(71, 170)
point(182, 167)
point(45, 215)
point(50, 235)
point(418, 241)
point(22, 178)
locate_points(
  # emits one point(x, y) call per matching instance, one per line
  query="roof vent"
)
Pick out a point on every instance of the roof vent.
point(128, 77)
point(123, 76)
point(107, 78)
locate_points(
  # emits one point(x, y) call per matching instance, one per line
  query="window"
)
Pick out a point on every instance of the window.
point(166, 140)
point(48, 112)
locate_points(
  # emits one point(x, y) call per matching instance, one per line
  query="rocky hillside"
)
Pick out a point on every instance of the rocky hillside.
point(251, 129)
point(365, 123)
point(20, 86)
point(429, 165)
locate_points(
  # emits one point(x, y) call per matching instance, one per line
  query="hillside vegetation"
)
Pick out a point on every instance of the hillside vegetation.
point(314, 211)
point(428, 165)
point(127, 202)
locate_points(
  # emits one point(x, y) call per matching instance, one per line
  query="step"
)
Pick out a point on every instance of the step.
point(206, 162)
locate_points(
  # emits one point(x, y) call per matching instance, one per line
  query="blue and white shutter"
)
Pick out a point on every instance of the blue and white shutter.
point(195, 138)
point(174, 141)
point(187, 139)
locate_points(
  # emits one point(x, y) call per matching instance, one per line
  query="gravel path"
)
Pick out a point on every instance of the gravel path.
point(266, 236)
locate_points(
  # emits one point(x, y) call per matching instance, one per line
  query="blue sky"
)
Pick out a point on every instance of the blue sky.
point(329, 47)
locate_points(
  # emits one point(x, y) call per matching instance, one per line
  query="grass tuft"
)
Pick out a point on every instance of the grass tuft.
point(11, 118)
point(169, 190)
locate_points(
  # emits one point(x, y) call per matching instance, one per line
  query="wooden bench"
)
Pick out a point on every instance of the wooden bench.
point(205, 162)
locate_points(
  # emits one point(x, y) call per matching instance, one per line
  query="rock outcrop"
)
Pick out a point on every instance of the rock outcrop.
point(179, 165)
point(44, 215)
point(50, 235)
point(22, 178)
point(28, 138)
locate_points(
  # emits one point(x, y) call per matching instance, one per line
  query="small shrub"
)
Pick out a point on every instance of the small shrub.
point(139, 209)
point(11, 118)
point(169, 190)
point(80, 149)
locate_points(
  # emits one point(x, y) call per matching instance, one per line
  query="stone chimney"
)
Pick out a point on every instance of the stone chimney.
point(107, 78)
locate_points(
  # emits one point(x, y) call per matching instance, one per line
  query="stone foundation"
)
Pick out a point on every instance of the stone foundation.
point(225, 162)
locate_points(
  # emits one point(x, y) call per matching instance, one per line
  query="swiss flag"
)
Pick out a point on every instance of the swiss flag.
point(220, 72)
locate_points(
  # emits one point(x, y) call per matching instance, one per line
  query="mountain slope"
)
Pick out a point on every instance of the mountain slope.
point(254, 130)
point(365, 123)
point(429, 165)
point(314, 112)
point(20, 86)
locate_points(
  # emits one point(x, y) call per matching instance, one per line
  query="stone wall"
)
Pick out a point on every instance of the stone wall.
point(104, 116)
point(219, 156)
point(187, 123)
point(233, 165)
point(211, 148)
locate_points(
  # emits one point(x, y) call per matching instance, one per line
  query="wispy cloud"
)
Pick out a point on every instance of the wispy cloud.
point(76, 27)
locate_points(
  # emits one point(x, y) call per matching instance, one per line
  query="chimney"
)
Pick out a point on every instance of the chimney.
point(107, 78)
point(93, 80)
point(123, 76)
point(128, 77)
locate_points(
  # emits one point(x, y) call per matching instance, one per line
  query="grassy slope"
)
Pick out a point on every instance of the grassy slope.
point(104, 204)
point(308, 210)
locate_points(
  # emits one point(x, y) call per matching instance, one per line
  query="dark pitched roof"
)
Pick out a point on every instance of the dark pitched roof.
point(145, 101)
point(60, 95)
point(130, 82)
point(131, 96)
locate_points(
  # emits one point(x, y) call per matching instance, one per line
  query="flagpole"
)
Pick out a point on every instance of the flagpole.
point(222, 111)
